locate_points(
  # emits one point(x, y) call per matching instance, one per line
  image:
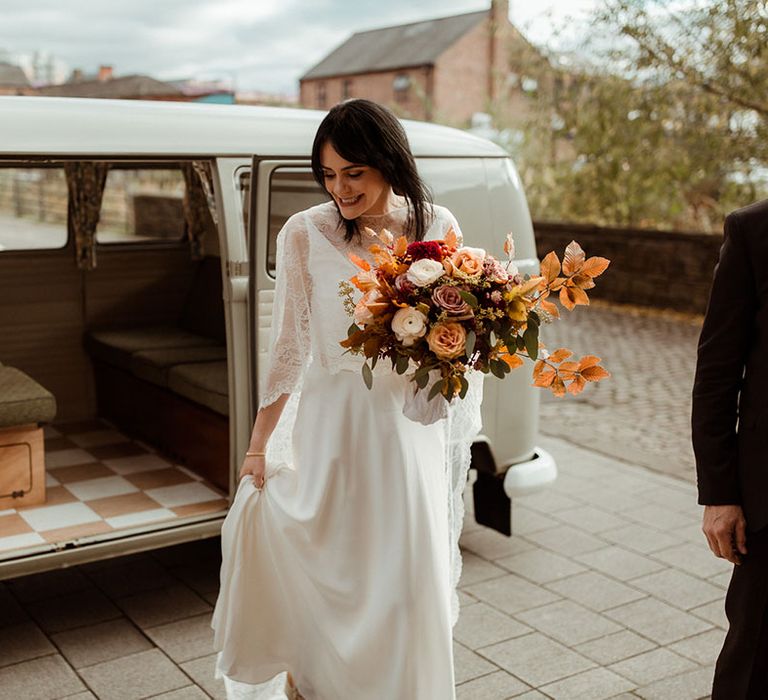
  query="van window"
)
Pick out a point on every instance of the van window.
point(33, 208)
point(142, 205)
point(290, 190)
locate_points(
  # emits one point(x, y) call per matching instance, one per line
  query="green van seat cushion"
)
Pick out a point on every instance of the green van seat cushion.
point(23, 400)
point(115, 346)
point(202, 382)
point(154, 365)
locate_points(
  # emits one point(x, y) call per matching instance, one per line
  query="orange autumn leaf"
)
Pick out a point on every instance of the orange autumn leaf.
point(550, 308)
point(362, 264)
point(557, 284)
point(595, 374)
point(401, 245)
point(580, 296)
point(569, 367)
point(538, 367)
point(573, 260)
point(566, 298)
point(570, 297)
point(558, 387)
point(559, 355)
point(595, 266)
point(545, 378)
point(588, 361)
point(513, 361)
point(577, 385)
point(583, 281)
point(550, 267)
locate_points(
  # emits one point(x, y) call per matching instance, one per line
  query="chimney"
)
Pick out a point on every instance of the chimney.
point(498, 19)
point(105, 73)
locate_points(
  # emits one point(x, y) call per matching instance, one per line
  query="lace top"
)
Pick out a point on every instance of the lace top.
point(308, 317)
point(309, 320)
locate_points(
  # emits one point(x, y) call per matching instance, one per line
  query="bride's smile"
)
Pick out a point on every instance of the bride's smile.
point(357, 189)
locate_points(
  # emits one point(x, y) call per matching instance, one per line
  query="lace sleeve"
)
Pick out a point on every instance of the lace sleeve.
point(445, 220)
point(290, 345)
point(463, 423)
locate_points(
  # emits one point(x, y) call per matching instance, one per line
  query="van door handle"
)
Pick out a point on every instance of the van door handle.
point(237, 268)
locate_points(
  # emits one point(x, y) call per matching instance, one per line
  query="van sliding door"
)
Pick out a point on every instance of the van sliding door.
point(280, 188)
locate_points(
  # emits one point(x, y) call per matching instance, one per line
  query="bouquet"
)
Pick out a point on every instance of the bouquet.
point(442, 309)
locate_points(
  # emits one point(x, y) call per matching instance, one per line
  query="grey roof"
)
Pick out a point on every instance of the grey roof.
point(12, 76)
point(416, 44)
point(123, 87)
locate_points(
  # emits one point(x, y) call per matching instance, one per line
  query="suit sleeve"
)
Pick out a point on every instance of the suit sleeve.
point(723, 348)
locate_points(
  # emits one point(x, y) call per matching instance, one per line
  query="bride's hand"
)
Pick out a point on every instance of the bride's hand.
point(256, 467)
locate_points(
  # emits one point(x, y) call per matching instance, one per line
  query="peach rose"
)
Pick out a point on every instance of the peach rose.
point(467, 262)
point(447, 340)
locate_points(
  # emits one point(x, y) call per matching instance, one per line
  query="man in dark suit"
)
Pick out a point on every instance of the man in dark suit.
point(732, 460)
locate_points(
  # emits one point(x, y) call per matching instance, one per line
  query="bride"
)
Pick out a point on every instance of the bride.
point(340, 550)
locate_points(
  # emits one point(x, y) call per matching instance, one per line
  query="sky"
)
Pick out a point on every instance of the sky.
point(260, 45)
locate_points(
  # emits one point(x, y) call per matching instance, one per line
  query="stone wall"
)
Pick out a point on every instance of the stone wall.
point(666, 270)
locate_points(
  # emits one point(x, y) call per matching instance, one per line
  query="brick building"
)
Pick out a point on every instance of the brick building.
point(13, 80)
point(106, 85)
point(443, 69)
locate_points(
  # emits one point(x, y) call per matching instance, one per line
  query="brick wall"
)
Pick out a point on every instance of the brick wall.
point(378, 87)
point(668, 270)
point(461, 78)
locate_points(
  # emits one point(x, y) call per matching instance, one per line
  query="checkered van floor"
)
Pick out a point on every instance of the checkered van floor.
point(98, 481)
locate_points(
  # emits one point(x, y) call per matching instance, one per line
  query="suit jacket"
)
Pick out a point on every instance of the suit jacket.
point(730, 392)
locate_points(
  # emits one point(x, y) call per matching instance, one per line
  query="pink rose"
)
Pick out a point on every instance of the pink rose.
point(449, 299)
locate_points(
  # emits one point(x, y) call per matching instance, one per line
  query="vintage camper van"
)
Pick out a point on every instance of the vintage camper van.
point(137, 245)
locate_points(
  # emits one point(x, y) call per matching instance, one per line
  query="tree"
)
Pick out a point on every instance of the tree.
point(654, 130)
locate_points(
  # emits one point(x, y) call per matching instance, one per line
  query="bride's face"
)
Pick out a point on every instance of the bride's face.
point(358, 189)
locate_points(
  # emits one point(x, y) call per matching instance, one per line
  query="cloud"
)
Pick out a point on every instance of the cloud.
point(260, 44)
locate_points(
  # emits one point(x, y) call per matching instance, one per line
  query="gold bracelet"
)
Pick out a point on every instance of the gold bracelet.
point(255, 454)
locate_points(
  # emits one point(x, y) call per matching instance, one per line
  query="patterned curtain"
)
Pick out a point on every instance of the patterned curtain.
point(85, 182)
point(199, 203)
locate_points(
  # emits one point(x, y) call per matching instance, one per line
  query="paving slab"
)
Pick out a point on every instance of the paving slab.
point(606, 588)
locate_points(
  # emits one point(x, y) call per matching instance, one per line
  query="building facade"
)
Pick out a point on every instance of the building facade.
point(445, 69)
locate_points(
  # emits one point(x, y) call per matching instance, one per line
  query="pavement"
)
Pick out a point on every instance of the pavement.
point(605, 590)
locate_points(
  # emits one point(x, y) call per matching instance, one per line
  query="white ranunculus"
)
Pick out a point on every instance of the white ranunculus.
point(409, 324)
point(425, 271)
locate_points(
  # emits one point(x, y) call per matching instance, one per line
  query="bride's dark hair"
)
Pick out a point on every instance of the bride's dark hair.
point(364, 132)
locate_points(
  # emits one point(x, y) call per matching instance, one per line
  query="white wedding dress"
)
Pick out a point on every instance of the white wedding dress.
point(343, 569)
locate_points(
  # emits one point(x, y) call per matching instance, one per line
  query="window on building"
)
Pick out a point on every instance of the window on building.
point(402, 87)
point(322, 98)
point(33, 208)
point(141, 205)
point(346, 90)
point(529, 85)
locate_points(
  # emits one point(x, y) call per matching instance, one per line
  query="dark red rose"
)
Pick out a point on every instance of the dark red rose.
point(418, 250)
